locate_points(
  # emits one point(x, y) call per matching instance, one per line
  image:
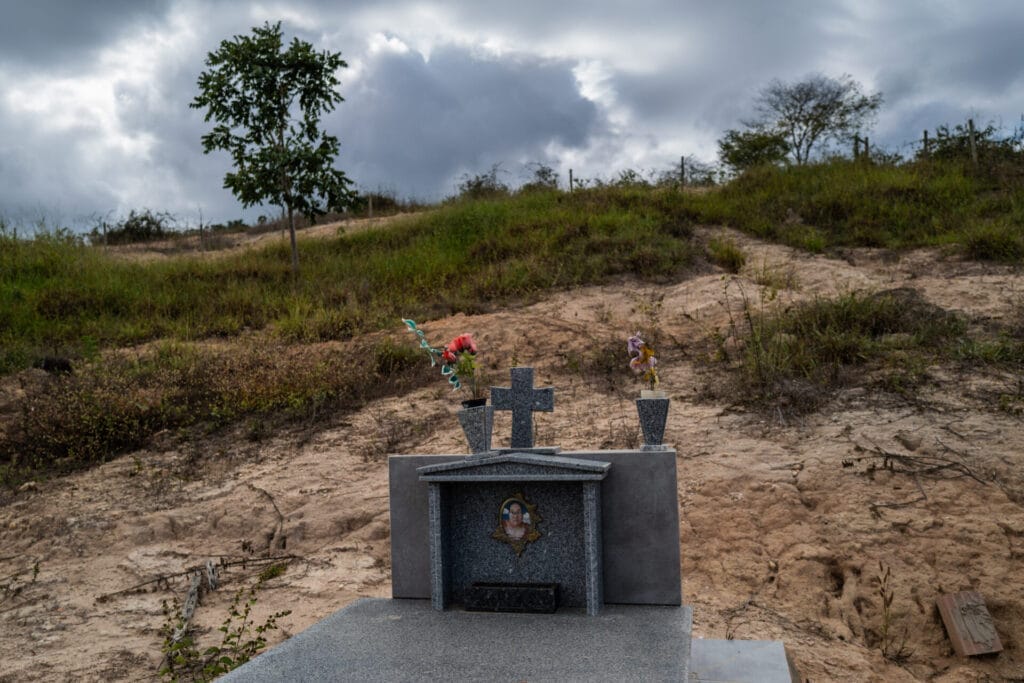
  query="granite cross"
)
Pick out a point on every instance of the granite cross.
point(522, 399)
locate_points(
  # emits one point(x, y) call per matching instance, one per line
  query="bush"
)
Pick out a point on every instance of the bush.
point(483, 186)
point(995, 242)
point(144, 226)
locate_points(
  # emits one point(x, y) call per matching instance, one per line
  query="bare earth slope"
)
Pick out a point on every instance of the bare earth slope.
point(784, 520)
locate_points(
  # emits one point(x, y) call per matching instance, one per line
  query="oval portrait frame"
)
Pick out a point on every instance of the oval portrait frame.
point(530, 520)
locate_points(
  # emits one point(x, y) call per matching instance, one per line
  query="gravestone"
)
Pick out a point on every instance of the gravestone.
point(579, 552)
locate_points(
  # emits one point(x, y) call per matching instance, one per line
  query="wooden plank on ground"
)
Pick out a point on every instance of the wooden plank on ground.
point(968, 624)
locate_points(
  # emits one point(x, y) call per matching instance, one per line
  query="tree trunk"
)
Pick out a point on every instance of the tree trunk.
point(295, 246)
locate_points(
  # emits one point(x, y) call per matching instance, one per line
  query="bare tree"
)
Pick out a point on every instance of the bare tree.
point(815, 109)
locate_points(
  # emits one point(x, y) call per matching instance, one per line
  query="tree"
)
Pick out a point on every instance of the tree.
point(268, 103)
point(816, 109)
point(743, 149)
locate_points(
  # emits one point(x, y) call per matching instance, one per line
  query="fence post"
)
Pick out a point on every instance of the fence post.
point(925, 145)
point(682, 171)
point(856, 147)
point(974, 147)
point(369, 199)
point(570, 181)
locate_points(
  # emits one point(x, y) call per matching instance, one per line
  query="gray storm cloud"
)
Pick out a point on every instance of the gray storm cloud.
point(94, 96)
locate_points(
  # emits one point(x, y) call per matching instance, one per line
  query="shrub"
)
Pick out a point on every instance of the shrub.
point(1000, 241)
point(137, 227)
point(483, 185)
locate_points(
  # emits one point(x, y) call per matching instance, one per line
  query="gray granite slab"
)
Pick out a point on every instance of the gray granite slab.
point(406, 640)
point(740, 661)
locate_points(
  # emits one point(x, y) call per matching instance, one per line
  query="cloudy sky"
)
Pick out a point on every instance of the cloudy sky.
point(94, 115)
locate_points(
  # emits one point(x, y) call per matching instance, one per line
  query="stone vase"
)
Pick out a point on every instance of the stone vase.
point(653, 412)
point(477, 422)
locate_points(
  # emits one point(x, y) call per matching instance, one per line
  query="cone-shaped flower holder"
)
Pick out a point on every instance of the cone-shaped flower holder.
point(653, 414)
point(477, 423)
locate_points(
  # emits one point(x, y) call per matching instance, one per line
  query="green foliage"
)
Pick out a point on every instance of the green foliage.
point(726, 254)
point(59, 297)
point(483, 185)
point(740, 150)
point(143, 226)
point(63, 298)
point(798, 354)
point(544, 178)
point(240, 642)
point(954, 144)
point(252, 90)
point(107, 408)
point(844, 203)
point(995, 241)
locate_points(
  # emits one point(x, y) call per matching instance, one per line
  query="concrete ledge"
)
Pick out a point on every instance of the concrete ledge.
point(740, 661)
point(406, 640)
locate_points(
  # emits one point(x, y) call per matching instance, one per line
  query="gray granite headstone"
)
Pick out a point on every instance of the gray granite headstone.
point(522, 399)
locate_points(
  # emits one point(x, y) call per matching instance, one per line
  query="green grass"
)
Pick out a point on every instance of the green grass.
point(799, 356)
point(58, 297)
point(117, 405)
point(845, 203)
point(727, 254)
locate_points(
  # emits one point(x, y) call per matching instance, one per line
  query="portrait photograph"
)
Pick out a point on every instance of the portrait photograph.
point(517, 523)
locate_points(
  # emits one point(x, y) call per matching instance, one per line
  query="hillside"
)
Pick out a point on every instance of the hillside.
point(788, 505)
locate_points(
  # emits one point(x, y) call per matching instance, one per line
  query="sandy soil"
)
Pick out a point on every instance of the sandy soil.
point(784, 519)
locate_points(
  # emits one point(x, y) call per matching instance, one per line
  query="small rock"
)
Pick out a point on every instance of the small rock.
point(908, 441)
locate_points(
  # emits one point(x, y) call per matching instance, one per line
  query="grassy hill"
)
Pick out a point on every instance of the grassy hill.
point(189, 342)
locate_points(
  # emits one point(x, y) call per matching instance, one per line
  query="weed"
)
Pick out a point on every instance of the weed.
point(272, 571)
point(725, 253)
point(391, 432)
point(77, 420)
point(893, 647)
point(603, 363)
point(1000, 241)
point(799, 353)
point(776, 277)
point(241, 641)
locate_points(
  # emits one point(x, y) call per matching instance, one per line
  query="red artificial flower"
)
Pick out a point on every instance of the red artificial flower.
point(448, 357)
point(463, 343)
